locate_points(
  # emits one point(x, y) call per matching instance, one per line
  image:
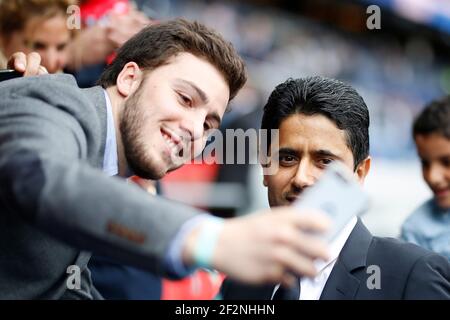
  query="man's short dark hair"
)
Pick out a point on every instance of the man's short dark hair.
point(435, 118)
point(317, 95)
point(156, 44)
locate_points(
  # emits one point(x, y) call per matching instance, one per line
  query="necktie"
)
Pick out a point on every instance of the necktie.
point(290, 293)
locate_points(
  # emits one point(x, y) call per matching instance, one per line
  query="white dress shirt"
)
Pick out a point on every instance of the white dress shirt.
point(110, 160)
point(311, 288)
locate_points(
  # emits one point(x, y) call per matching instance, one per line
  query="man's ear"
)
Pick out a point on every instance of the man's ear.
point(129, 79)
point(363, 169)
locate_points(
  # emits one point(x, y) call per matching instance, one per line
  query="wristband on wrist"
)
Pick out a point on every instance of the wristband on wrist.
point(206, 242)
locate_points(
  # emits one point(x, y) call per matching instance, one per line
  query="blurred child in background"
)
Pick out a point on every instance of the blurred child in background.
point(429, 225)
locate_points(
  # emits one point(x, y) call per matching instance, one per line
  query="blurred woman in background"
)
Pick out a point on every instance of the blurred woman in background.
point(36, 25)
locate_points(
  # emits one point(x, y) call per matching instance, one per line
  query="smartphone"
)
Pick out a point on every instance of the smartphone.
point(338, 194)
point(6, 74)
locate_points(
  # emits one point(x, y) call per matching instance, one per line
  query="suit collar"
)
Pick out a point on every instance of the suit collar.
point(233, 290)
point(354, 252)
point(97, 97)
point(343, 283)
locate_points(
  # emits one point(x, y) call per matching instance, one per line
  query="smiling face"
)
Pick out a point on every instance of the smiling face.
point(434, 152)
point(46, 36)
point(49, 38)
point(307, 144)
point(164, 122)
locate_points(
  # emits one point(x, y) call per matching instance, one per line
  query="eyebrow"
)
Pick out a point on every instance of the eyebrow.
point(320, 152)
point(199, 91)
point(326, 153)
point(287, 151)
point(439, 158)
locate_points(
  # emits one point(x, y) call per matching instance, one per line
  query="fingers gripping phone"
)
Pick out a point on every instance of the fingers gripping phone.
point(6, 74)
point(338, 194)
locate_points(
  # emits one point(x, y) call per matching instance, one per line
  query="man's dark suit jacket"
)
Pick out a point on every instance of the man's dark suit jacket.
point(406, 272)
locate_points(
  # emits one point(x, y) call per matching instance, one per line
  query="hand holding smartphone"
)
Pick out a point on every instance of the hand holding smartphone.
point(338, 194)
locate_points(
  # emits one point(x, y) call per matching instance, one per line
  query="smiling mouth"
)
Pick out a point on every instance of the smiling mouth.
point(173, 141)
point(441, 192)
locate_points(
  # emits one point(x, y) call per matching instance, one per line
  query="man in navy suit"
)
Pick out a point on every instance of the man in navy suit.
point(320, 121)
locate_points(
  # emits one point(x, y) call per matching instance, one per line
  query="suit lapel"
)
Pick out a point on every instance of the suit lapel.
point(343, 282)
point(341, 285)
point(232, 290)
point(96, 96)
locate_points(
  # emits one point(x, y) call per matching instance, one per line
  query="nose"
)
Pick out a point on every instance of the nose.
point(434, 175)
point(306, 175)
point(52, 60)
point(193, 124)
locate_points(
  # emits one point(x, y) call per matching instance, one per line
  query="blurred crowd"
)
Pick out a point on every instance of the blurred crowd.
point(395, 77)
